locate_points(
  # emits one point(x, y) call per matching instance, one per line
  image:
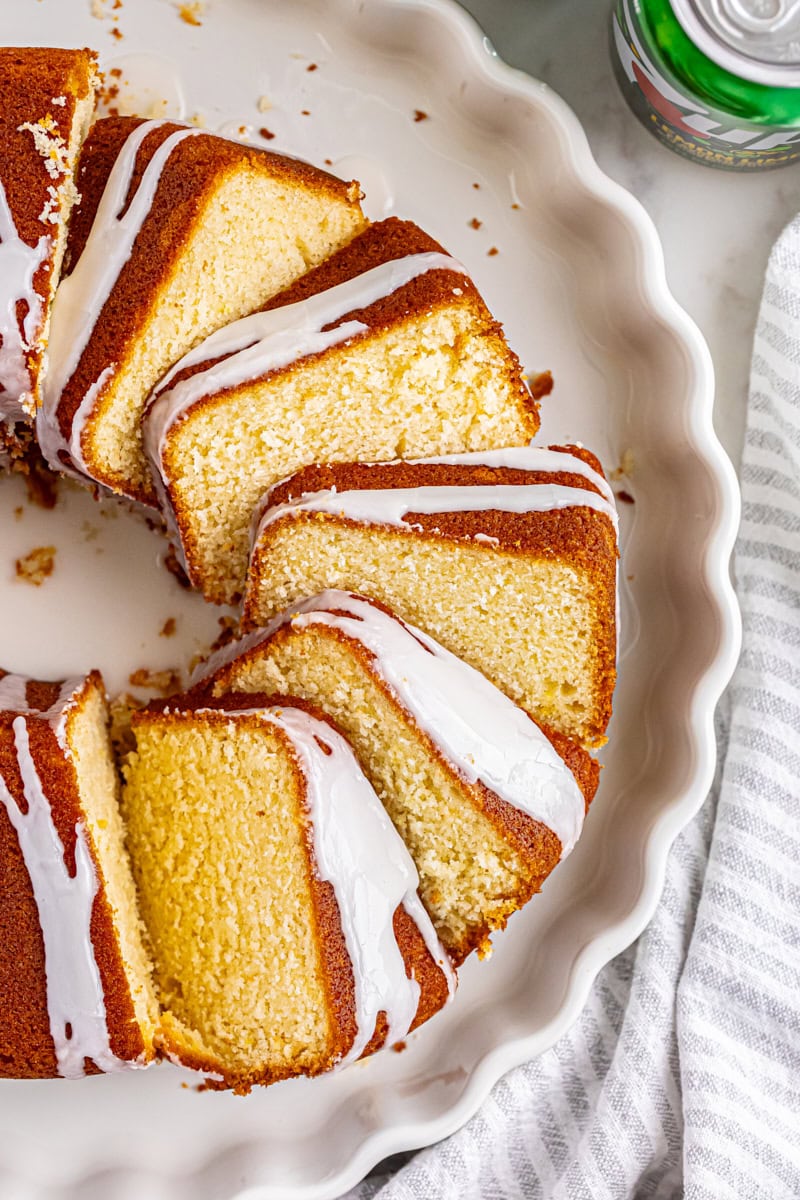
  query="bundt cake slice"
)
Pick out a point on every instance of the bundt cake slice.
point(75, 979)
point(508, 558)
point(486, 800)
point(287, 932)
point(46, 104)
point(386, 349)
point(178, 232)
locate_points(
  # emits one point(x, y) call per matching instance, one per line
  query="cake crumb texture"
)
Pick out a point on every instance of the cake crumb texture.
point(229, 226)
point(216, 823)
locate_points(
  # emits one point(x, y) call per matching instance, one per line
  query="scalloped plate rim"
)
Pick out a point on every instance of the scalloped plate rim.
point(479, 56)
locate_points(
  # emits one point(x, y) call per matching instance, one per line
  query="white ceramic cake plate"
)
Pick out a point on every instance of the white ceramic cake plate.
point(578, 281)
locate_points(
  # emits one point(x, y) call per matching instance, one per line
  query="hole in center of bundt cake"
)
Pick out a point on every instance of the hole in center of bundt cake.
point(100, 597)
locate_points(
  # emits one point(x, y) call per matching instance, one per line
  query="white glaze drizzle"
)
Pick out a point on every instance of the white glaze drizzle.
point(389, 506)
point(81, 296)
point(359, 852)
point(14, 693)
point(267, 341)
point(525, 458)
point(74, 445)
point(75, 998)
point(483, 733)
point(19, 263)
point(14, 698)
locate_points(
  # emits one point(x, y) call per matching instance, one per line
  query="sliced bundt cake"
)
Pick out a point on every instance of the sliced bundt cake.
point(386, 349)
point(46, 103)
point(178, 232)
point(508, 558)
point(287, 932)
point(486, 800)
point(75, 979)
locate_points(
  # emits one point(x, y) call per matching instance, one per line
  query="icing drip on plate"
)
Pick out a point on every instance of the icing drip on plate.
point(80, 297)
point(359, 852)
point(19, 263)
point(486, 736)
point(75, 999)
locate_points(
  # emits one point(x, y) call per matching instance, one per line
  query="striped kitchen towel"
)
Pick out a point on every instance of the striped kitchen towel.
point(682, 1077)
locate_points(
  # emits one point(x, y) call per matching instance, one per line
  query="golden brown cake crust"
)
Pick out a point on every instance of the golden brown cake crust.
point(582, 536)
point(362, 476)
point(537, 844)
point(26, 1045)
point(383, 242)
point(324, 912)
point(581, 533)
point(189, 177)
point(31, 78)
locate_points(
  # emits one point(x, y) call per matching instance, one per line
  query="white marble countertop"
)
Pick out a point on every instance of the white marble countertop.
point(716, 227)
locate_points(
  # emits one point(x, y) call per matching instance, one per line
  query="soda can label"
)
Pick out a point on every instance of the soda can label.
point(686, 122)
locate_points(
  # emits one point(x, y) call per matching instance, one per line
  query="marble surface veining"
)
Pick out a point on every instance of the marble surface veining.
point(717, 228)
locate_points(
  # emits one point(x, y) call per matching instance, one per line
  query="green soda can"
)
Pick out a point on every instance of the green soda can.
point(718, 81)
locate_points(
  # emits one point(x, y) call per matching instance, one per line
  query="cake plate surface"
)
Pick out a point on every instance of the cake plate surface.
point(407, 96)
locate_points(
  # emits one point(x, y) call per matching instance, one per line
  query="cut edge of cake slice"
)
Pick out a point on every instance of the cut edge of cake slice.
point(179, 231)
point(486, 800)
point(301, 944)
point(508, 558)
point(385, 350)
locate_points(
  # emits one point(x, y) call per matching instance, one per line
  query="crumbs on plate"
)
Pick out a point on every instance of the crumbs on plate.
point(35, 567)
point(191, 13)
point(540, 383)
point(227, 632)
point(164, 682)
point(625, 468)
point(173, 565)
point(41, 485)
point(120, 731)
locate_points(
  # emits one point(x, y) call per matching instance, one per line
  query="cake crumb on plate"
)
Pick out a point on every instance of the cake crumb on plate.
point(166, 682)
point(36, 566)
point(192, 12)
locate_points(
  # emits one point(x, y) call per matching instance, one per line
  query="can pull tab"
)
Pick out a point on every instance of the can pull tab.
point(759, 16)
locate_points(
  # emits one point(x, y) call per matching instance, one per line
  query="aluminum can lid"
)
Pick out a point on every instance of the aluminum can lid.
point(758, 40)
